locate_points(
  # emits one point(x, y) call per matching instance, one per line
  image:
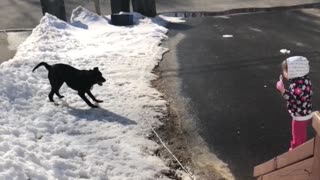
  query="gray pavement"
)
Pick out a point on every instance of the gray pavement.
point(222, 5)
point(229, 82)
point(19, 13)
point(27, 13)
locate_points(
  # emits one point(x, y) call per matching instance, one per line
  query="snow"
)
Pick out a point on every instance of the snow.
point(172, 19)
point(227, 36)
point(285, 51)
point(14, 39)
point(43, 140)
point(255, 29)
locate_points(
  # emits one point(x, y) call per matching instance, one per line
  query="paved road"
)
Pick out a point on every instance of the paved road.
point(230, 81)
point(222, 5)
point(27, 13)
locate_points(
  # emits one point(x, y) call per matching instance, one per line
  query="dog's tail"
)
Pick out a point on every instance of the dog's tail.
point(47, 66)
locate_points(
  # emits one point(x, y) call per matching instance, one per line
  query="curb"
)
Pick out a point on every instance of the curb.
point(240, 11)
point(15, 30)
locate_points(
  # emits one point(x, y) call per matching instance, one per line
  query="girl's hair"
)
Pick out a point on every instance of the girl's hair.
point(284, 66)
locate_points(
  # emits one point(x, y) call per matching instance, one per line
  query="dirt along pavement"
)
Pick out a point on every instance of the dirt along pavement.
point(219, 78)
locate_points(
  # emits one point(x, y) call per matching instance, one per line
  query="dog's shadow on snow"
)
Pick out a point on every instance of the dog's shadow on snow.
point(99, 114)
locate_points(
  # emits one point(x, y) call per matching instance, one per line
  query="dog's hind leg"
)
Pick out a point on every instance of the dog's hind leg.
point(55, 90)
point(57, 87)
point(51, 95)
point(93, 98)
point(81, 94)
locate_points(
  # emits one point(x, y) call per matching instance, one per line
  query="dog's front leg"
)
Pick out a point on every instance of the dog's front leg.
point(93, 98)
point(81, 94)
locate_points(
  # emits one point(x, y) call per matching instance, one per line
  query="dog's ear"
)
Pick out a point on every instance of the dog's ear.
point(96, 69)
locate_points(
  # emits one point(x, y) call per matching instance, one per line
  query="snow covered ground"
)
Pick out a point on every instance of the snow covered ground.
point(41, 140)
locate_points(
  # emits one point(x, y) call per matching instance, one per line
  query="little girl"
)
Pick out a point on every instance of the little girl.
point(298, 96)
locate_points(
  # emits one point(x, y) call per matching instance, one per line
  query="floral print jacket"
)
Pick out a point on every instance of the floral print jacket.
point(298, 96)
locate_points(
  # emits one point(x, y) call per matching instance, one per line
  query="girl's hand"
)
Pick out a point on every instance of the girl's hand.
point(280, 86)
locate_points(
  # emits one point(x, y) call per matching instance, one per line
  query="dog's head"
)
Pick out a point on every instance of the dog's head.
point(97, 76)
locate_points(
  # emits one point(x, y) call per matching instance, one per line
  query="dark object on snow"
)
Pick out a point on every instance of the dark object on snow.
point(54, 7)
point(122, 19)
point(79, 80)
point(97, 7)
point(145, 7)
point(120, 6)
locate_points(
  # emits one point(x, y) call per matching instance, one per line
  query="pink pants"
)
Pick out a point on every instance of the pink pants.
point(299, 132)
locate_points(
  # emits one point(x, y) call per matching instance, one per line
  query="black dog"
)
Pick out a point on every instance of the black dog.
point(79, 80)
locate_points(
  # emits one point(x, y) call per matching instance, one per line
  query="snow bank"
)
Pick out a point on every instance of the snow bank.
point(41, 140)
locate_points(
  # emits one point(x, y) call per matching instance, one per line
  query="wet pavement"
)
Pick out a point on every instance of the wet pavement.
point(228, 67)
point(27, 13)
point(223, 5)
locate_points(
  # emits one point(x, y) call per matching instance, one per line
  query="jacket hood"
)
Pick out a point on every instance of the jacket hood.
point(298, 66)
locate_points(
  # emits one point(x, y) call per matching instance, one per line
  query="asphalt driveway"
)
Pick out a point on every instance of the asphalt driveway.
point(228, 67)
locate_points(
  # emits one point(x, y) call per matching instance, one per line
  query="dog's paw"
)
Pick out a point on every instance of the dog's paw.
point(98, 101)
point(61, 97)
point(94, 106)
